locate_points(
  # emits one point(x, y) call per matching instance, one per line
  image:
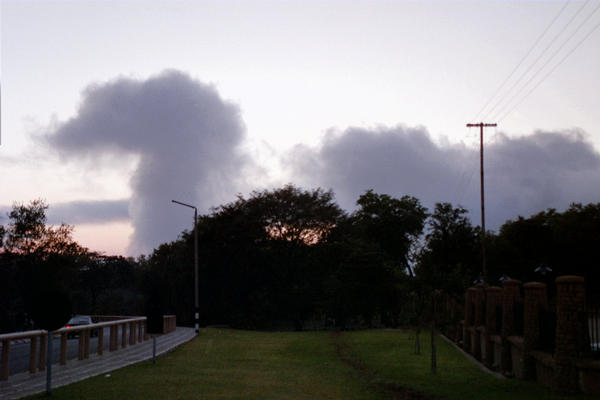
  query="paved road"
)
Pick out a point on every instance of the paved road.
point(24, 384)
point(19, 351)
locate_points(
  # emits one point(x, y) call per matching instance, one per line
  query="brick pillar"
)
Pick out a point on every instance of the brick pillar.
point(535, 300)
point(493, 300)
point(459, 326)
point(469, 318)
point(511, 293)
point(570, 331)
point(478, 318)
point(477, 321)
point(493, 297)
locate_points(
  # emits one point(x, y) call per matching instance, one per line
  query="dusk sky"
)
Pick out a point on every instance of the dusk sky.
point(110, 109)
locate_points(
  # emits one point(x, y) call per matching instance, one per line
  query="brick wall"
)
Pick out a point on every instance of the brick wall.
point(566, 367)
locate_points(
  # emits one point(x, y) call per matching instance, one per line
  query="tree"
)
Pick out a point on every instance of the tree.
point(394, 224)
point(108, 285)
point(290, 214)
point(564, 241)
point(28, 234)
point(41, 261)
point(257, 260)
point(445, 264)
point(361, 285)
point(450, 259)
point(375, 245)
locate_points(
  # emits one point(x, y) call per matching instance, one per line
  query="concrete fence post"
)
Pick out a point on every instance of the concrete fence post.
point(113, 341)
point(132, 333)
point(140, 332)
point(100, 349)
point(124, 335)
point(33, 347)
point(86, 350)
point(43, 351)
point(5, 358)
point(535, 300)
point(63, 348)
point(81, 345)
point(570, 331)
point(144, 325)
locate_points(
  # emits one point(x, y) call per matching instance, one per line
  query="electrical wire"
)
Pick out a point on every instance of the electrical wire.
point(463, 181)
point(501, 112)
point(552, 70)
point(522, 60)
point(522, 76)
point(463, 187)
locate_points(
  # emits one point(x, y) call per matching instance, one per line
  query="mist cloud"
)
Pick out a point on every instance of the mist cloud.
point(524, 175)
point(88, 212)
point(185, 136)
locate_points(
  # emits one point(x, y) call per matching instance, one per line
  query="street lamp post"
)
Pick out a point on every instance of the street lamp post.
point(196, 302)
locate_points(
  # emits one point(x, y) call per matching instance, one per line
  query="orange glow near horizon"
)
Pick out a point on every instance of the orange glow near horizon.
point(110, 239)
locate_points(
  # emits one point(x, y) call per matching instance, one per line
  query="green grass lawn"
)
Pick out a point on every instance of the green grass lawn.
point(231, 364)
point(390, 354)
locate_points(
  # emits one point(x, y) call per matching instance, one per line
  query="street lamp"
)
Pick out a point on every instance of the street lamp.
point(196, 303)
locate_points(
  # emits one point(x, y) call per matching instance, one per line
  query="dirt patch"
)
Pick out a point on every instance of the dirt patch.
point(345, 354)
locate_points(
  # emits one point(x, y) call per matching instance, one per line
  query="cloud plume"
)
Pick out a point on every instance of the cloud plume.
point(88, 212)
point(524, 175)
point(186, 139)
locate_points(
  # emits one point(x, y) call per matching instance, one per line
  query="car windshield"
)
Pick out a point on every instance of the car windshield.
point(79, 320)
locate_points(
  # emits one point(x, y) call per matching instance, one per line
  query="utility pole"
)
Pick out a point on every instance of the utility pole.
point(482, 125)
point(196, 300)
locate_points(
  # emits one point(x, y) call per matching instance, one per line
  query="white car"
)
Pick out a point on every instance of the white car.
point(79, 320)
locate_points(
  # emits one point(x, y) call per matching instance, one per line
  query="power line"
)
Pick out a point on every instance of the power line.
point(537, 59)
point(522, 59)
point(522, 88)
point(551, 71)
point(465, 168)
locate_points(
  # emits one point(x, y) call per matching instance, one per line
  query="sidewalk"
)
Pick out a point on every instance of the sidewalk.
point(24, 384)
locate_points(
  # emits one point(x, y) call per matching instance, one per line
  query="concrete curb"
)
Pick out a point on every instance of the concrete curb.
point(474, 360)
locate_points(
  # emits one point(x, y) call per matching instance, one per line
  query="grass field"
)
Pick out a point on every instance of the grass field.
point(231, 364)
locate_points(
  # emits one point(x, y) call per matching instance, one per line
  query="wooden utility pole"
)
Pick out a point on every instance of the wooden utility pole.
point(482, 125)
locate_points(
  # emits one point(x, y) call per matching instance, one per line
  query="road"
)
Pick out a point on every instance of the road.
point(19, 351)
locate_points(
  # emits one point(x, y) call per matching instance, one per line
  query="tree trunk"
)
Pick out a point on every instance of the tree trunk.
point(417, 341)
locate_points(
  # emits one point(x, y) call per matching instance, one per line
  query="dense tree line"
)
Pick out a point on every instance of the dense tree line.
point(42, 269)
point(290, 258)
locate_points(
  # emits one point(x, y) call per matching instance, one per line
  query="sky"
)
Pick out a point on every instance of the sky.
point(111, 109)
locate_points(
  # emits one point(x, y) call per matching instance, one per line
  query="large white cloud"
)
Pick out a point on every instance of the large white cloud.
point(185, 136)
point(524, 175)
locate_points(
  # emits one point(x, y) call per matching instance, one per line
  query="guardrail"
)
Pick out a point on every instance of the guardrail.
point(137, 333)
